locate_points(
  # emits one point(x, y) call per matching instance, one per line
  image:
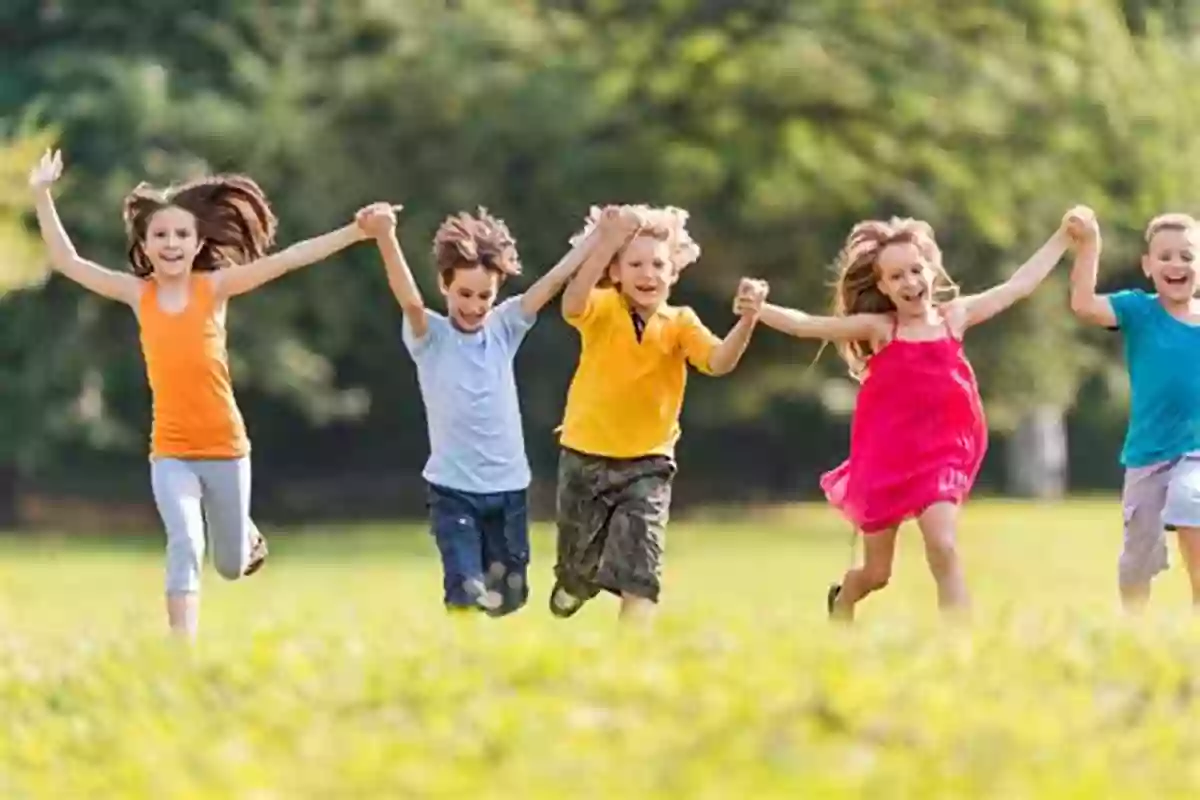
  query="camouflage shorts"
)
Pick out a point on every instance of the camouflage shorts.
point(612, 523)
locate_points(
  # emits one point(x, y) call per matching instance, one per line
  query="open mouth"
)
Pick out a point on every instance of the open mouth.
point(172, 258)
point(646, 288)
point(1175, 280)
point(915, 296)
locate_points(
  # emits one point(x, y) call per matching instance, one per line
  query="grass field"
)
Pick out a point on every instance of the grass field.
point(335, 674)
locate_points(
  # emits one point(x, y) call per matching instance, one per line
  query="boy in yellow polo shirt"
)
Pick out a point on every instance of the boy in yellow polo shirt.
point(622, 416)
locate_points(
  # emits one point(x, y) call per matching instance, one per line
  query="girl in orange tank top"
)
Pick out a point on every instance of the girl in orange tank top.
point(191, 248)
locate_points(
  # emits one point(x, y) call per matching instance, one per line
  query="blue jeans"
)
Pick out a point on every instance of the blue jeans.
point(482, 538)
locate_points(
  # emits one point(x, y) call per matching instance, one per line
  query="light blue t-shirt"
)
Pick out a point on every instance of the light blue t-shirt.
point(470, 395)
point(1164, 383)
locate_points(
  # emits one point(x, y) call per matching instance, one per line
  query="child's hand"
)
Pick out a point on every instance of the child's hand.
point(377, 220)
point(48, 170)
point(751, 295)
point(622, 221)
point(1081, 226)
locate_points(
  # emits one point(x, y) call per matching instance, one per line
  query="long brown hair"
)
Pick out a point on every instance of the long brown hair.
point(856, 289)
point(234, 221)
point(465, 241)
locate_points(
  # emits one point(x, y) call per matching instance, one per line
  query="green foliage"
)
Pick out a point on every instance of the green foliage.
point(334, 673)
point(778, 125)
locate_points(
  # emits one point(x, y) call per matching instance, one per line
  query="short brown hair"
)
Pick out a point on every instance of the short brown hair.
point(465, 241)
point(234, 221)
point(1173, 221)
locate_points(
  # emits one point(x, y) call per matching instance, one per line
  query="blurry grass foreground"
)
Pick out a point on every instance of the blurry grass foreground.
point(341, 678)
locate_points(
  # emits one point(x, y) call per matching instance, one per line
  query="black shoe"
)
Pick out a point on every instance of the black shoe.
point(831, 596)
point(563, 604)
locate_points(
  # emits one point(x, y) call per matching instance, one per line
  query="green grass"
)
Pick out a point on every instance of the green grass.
point(335, 674)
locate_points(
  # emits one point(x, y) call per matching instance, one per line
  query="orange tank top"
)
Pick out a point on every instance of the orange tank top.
point(187, 363)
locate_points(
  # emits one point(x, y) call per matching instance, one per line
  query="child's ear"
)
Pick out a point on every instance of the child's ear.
point(1146, 265)
point(442, 285)
point(612, 270)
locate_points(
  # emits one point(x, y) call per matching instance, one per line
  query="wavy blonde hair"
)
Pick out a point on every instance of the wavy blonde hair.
point(666, 224)
point(856, 288)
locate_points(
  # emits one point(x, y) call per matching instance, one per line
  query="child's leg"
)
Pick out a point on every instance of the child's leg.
point(1181, 512)
point(582, 520)
point(455, 521)
point(631, 564)
point(879, 552)
point(177, 494)
point(232, 534)
point(506, 538)
point(939, 527)
point(1144, 553)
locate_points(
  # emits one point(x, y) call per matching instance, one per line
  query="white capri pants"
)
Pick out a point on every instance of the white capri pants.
point(195, 496)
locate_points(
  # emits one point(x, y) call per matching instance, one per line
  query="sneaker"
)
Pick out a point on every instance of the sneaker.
point(563, 604)
point(482, 596)
point(258, 555)
point(831, 596)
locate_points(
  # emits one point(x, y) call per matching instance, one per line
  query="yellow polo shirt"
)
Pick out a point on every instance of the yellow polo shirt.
point(625, 398)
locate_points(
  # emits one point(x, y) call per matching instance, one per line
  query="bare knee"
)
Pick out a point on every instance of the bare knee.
point(875, 578)
point(942, 555)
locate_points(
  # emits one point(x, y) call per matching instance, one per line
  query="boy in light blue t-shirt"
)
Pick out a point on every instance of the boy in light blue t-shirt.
point(477, 471)
point(1161, 453)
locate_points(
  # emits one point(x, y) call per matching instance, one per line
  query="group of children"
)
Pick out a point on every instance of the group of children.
point(918, 434)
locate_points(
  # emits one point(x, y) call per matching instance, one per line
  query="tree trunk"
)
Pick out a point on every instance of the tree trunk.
point(9, 511)
point(1037, 455)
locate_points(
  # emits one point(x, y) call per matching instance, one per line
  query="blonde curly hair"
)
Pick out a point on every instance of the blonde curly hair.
point(666, 224)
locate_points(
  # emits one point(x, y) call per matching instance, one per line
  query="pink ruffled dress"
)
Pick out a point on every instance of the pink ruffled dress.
point(918, 435)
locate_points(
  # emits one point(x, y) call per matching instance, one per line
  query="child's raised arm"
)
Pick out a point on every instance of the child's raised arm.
point(852, 328)
point(378, 220)
point(105, 282)
point(614, 228)
point(242, 278)
point(1085, 303)
point(977, 308)
point(544, 288)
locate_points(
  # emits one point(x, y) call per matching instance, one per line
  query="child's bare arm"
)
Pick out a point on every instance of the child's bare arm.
point(614, 229)
point(981, 307)
point(1088, 306)
point(544, 288)
point(242, 278)
point(105, 282)
point(855, 327)
point(748, 305)
point(378, 221)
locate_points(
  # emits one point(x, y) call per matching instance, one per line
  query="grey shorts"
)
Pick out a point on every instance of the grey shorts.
point(1157, 498)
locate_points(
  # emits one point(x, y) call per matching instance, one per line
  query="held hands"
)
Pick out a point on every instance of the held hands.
point(620, 222)
point(376, 220)
point(1081, 226)
point(751, 295)
point(48, 170)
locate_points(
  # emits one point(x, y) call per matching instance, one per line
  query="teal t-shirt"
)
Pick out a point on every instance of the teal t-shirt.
point(1161, 354)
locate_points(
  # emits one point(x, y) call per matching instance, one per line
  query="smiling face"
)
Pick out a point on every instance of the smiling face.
point(906, 278)
point(470, 294)
point(1170, 263)
point(171, 241)
point(644, 272)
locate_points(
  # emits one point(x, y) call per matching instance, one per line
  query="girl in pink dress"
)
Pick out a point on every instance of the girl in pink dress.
point(918, 434)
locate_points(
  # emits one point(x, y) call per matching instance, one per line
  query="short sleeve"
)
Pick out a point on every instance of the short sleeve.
point(1130, 307)
point(696, 340)
point(601, 304)
point(511, 321)
point(435, 328)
